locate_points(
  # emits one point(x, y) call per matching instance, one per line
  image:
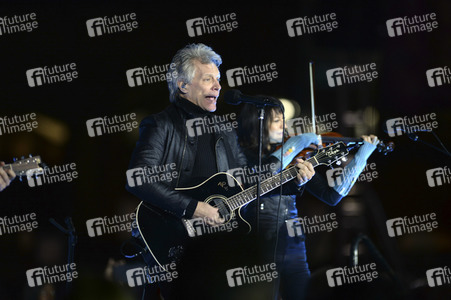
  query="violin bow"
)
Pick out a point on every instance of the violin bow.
point(312, 98)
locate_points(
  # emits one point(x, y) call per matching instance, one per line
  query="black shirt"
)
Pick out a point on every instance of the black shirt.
point(205, 161)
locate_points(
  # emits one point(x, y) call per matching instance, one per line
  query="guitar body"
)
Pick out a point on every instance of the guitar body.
point(165, 235)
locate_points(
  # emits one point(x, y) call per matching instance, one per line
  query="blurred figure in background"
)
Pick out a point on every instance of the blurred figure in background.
point(289, 252)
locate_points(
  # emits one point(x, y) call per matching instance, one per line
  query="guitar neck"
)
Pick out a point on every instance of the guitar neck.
point(267, 185)
point(25, 167)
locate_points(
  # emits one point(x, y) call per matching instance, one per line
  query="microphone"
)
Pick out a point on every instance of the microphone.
point(235, 97)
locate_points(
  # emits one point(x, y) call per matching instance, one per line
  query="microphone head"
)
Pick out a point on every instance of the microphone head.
point(233, 97)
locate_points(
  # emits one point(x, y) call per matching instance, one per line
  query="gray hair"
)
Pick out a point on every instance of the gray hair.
point(183, 66)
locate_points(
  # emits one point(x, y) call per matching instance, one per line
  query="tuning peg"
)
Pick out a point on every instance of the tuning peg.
point(338, 162)
point(15, 158)
point(344, 158)
point(30, 156)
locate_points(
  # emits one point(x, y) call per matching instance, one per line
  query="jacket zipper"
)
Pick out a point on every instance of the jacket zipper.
point(216, 153)
point(183, 155)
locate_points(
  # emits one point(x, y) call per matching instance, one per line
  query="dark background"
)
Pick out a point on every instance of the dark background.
point(401, 89)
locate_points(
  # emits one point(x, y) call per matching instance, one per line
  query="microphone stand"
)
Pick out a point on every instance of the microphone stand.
point(235, 97)
point(261, 117)
point(72, 241)
point(414, 137)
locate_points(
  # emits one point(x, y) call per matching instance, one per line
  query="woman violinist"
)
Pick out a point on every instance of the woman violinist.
point(290, 255)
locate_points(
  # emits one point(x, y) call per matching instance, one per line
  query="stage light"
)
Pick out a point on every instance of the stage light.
point(292, 108)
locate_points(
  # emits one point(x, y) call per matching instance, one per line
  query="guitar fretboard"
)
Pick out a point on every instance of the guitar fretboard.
point(266, 186)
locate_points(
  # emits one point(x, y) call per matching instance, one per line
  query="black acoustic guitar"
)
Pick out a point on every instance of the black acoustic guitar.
point(164, 234)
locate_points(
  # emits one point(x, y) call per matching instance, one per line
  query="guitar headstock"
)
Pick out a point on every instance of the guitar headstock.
point(27, 167)
point(330, 154)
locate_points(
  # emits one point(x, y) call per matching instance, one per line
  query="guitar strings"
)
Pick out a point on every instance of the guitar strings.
point(250, 193)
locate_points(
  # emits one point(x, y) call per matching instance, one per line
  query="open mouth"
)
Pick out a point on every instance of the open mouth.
point(211, 98)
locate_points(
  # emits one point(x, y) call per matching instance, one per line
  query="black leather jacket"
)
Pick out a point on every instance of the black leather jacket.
point(164, 139)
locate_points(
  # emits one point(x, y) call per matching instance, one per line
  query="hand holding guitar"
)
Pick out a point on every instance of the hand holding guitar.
point(26, 167)
point(209, 213)
point(6, 176)
point(305, 171)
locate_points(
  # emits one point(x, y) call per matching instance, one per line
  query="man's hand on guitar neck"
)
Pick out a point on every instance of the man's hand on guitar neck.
point(6, 176)
point(209, 213)
point(305, 171)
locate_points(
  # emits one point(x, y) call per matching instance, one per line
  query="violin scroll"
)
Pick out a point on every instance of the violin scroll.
point(385, 148)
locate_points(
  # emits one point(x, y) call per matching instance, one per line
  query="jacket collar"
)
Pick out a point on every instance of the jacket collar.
point(191, 109)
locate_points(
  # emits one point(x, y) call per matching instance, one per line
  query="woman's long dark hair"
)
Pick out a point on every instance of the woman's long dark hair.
point(248, 125)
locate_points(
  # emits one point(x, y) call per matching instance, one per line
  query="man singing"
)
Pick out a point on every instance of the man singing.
point(164, 139)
